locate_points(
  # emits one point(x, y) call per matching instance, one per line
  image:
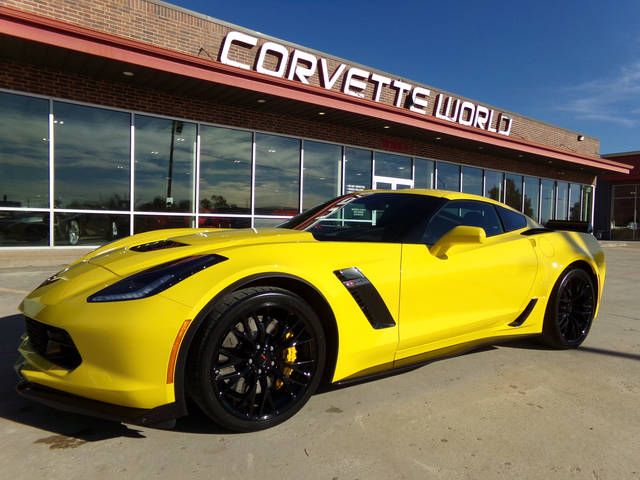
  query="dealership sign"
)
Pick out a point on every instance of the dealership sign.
point(302, 66)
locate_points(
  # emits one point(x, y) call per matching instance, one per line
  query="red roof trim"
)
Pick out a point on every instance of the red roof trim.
point(33, 27)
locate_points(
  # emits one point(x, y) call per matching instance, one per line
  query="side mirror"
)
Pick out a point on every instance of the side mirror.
point(460, 235)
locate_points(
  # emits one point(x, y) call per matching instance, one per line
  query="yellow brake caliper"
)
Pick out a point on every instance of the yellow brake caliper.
point(289, 355)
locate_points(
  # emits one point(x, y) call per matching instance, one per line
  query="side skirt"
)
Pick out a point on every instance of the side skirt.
point(416, 361)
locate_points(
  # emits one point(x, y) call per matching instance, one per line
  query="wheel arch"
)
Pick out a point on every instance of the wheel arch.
point(292, 283)
point(584, 265)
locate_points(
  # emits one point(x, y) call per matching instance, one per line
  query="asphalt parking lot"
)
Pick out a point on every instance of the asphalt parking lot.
point(506, 411)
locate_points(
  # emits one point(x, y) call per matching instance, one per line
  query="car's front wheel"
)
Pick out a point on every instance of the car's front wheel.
point(260, 357)
point(570, 310)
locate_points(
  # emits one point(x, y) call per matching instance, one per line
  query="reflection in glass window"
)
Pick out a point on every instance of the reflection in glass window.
point(165, 153)
point(448, 176)
point(92, 157)
point(322, 171)
point(390, 165)
point(24, 229)
point(224, 222)
point(531, 197)
point(89, 229)
point(268, 222)
point(587, 199)
point(24, 152)
point(472, 180)
point(563, 201)
point(145, 223)
point(357, 169)
point(277, 175)
point(493, 185)
point(548, 201)
point(424, 172)
point(574, 201)
point(513, 191)
point(225, 170)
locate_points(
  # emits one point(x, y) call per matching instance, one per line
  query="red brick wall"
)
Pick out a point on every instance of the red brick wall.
point(176, 29)
point(26, 78)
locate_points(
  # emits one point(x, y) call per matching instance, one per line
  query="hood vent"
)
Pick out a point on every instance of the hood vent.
point(159, 245)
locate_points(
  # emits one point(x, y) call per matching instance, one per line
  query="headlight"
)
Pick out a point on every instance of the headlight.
point(155, 280)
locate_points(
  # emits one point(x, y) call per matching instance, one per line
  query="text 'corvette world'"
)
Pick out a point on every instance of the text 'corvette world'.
point(247, 323)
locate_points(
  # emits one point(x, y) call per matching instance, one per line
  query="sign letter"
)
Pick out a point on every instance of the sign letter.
point(301, 71)
point(240, 39)
point(277, 50)
point(352, 82)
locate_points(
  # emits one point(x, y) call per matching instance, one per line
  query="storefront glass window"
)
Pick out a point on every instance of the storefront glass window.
point(563, 201)
point(165, 152)
point(357, 169)
point(277, 175)
point(448, 176)
point(513, 192)
point(92, 157)
point(472, 180)
point(88, 228)
point(224, 222)
point(225, 170)
point(574, 201)
point(145, 223)
point(322, 167)
point(531, 196)
point(396, 166)
point(424, 171)
point(24, 229)
point(493, 185)
point(624, 215)
point(24, 151)
point(548, 201)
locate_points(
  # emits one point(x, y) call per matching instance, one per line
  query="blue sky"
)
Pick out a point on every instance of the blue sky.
point(574, 64)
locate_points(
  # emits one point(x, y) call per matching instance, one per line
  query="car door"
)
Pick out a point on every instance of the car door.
point(474, 288)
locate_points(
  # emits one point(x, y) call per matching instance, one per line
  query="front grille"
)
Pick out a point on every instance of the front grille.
point(52, 343)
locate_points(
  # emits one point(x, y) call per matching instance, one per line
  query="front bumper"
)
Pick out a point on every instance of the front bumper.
point(71, 403)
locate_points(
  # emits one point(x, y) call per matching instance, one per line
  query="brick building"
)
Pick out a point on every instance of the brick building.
point(122, 116)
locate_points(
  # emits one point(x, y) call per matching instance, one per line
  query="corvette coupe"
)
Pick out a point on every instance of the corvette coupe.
point(247, 323)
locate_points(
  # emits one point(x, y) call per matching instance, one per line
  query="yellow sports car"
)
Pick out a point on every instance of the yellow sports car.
point(247, 323)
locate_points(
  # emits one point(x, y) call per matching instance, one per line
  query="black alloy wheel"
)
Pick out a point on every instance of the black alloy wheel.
point(570, 310)
point(260, 358)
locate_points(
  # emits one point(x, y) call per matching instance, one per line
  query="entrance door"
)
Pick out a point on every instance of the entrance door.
point(391, 183)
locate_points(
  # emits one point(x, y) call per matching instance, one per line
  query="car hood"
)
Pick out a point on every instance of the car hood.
point(124, 260)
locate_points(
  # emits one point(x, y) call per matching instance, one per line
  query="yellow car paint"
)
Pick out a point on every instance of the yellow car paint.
point(464, 294)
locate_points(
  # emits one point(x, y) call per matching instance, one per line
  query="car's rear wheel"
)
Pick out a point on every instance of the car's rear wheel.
point(570, 310)
point(260, 357)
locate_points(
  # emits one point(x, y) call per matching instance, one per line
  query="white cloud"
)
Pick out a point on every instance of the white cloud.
point(614, 99)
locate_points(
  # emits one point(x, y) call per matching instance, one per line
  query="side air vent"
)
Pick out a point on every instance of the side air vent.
point(366, 296)
point(535, 231)
point(525, 313)
point(159, 245)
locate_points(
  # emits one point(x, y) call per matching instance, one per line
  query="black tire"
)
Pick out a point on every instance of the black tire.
point(260, 356)
point(570, 310)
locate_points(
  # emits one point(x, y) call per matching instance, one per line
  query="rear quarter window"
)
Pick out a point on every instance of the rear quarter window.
point(511, 220)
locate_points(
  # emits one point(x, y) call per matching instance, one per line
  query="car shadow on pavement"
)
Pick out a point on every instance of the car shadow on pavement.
point(69, 430)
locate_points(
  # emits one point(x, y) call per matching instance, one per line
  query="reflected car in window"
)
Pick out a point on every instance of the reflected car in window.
point(247, 323)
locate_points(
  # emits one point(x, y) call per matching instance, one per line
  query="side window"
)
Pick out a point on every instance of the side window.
point(462, 212)
point(511, 220)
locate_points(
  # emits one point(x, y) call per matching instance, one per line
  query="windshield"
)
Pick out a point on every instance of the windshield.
point(369, 217)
